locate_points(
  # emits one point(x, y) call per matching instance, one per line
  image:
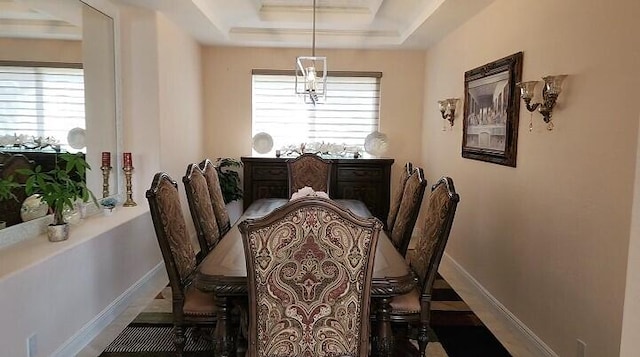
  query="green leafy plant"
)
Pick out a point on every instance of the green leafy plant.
point(229, 178)
point(61, 186)
point(7, 185)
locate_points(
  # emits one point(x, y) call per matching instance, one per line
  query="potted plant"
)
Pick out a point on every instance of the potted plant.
point(108, 205)
point(229, 178)
point(60, 188)
point(7, 185)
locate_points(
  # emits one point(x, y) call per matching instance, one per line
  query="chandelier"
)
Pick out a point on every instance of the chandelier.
point(311, 72)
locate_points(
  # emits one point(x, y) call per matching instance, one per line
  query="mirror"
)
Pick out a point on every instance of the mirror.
point(67, 36)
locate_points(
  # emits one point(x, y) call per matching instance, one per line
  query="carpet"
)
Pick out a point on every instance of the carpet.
point(455, 332)
point(156, 340)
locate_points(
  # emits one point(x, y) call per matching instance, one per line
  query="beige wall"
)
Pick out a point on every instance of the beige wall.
point(12, 49)
point(140, 97)
point(180, 82)
point(162, 102)
point(548, 239)
point(227, 93)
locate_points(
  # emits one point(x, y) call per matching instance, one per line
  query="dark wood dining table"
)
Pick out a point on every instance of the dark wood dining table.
point(223, 272)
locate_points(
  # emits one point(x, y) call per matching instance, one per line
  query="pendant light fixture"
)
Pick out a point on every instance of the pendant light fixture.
point(311, 72)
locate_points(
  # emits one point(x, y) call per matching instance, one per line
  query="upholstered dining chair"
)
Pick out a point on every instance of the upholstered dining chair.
point(414, 307)
point(309, 170)
point(201, 209)
point(219, 207)
point(309, 270)
point(190, 305)
point(397, 195)
point(408, 211)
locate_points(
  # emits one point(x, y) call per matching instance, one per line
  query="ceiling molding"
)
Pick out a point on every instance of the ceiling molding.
point(359, 24)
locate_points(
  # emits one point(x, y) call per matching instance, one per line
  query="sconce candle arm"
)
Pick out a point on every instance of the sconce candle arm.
point(549, 102)
point(531, 107)
point(448, 109)
point(550, 92)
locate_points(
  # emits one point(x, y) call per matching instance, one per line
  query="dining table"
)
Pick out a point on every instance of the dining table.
point(223, 272)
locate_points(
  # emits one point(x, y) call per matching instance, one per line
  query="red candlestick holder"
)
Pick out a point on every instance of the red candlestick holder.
point(106, 158)
point(127, 159)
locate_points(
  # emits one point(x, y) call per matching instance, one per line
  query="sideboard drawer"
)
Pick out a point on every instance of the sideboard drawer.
point(368, 174)
point(269, 172)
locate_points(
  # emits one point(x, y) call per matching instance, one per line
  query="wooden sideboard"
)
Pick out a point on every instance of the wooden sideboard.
point(367, 180)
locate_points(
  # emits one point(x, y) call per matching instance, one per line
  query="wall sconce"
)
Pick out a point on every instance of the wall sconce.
point(448, 109)
point(550, 92)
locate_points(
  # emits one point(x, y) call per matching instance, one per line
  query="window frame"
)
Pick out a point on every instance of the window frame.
point(350, 147)
point(40, 117)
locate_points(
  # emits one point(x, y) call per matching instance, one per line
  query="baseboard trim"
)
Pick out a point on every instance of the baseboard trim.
point(93, 328)
point(516, 337)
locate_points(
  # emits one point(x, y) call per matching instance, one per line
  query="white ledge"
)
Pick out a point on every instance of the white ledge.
point(28, 252)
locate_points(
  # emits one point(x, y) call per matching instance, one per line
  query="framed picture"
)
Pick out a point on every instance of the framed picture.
point(491, 110)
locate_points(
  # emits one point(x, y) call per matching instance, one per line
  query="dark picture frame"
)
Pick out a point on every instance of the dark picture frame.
point(491, 111)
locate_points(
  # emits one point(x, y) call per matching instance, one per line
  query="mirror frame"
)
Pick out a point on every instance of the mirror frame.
point(30, 229)
point(110, 10)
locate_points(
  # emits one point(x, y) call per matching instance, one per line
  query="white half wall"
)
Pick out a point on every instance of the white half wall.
point(53, 290)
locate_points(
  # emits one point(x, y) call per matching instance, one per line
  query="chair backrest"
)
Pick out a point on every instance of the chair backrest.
point(397, 195)
point(201, 208)
point(171, 232)
point(309, 267)
point(215, 192)
point(309, 170)
point(434, 233)
point(10, 208)
point(408, 210)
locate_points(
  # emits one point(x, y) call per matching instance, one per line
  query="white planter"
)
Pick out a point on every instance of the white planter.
point(58, 232)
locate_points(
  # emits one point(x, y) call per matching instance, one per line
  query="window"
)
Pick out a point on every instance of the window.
point(349, 113)
point(39, 101)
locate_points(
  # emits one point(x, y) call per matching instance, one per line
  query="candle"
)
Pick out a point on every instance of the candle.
point(106, 159)
point(127, 159)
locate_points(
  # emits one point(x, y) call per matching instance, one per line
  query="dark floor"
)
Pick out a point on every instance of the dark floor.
point(456, 327)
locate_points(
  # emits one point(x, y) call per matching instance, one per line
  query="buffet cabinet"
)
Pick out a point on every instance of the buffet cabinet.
point(367, 180)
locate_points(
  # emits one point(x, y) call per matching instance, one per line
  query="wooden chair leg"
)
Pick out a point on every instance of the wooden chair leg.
point(423, 339)
point(179, 339)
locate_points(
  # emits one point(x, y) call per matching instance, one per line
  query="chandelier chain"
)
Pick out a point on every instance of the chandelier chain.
point(313, 41)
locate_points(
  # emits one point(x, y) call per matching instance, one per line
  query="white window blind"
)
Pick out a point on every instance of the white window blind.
point(349, 113)
point(41, 101)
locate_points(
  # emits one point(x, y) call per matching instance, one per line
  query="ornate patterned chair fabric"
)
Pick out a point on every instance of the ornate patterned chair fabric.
point(219, 207)
point(397, 195)
point(309, 267)
point(309, 170)
point(414, 307)
point(408, 211)
point(201, 209)
point(190, 306)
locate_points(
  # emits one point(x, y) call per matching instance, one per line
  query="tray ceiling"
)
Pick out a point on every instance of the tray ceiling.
point(406, 24)
point(339, 23)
